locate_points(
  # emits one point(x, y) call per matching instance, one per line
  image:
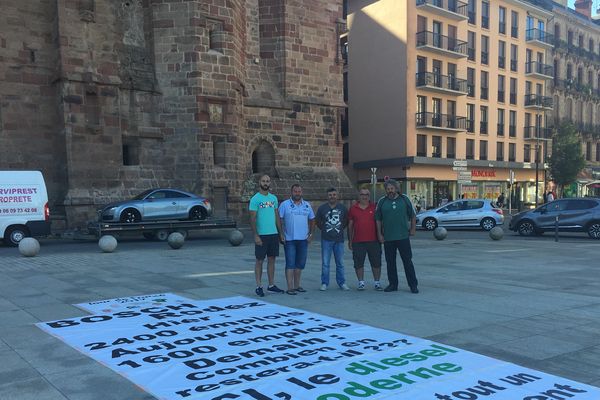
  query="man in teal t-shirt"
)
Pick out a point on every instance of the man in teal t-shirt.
point(396, 221)
point(266, 226)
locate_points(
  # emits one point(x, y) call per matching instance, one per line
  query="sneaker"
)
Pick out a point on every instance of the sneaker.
point(344, 287)
point(378, 287)
point(323, 287)
point(275, 289)
point(361, 285)
point(260, 292)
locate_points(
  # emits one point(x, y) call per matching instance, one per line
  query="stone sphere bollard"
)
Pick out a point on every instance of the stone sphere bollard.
point(440, 233)
point(236, 238)
point(29, 247)
point(496, 233)
point(175, 240)
point(107, 243)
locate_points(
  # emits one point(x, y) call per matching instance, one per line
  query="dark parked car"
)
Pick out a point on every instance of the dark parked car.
point(574, 215)
point(157, 204)
point(462, 213)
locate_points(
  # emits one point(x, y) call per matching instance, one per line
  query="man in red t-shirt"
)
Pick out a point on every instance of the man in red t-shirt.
point(362, 238)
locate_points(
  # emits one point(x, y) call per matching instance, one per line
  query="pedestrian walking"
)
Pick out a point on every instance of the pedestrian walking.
point(396, 222)
point(266, 226)
point(362, 238)
point(500, 200)
point(298, 223)
point(332, 219)
point(549, 196)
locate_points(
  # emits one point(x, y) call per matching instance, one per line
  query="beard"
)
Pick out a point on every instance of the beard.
point(265, 187)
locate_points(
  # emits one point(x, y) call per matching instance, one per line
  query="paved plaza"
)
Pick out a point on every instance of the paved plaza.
point(531, 301)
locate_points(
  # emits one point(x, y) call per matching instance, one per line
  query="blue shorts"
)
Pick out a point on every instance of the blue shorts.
point(295, 253)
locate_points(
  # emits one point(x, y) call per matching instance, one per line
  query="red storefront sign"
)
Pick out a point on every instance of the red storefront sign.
point(483, 173)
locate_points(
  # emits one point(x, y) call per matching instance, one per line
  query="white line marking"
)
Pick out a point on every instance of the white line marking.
point(505, 251)
point(219, 274)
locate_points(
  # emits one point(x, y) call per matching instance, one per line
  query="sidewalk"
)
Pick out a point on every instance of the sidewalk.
point(532, 302)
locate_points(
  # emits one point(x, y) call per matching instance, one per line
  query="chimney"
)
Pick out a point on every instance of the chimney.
point(584, 7)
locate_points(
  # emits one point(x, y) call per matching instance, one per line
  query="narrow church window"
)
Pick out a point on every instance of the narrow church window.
point(219, 153)
point(131, 154)
point(263, 159)
point(92, 108)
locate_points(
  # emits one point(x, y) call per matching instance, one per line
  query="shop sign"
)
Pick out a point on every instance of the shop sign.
point(483, 173)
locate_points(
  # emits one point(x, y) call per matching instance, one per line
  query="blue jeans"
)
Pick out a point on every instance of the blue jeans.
point(327, 247)
point(295, 253)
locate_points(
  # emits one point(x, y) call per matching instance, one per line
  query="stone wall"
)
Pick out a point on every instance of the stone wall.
point(203, 95)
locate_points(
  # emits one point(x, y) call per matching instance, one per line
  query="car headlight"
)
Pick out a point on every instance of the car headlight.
point(109, 210)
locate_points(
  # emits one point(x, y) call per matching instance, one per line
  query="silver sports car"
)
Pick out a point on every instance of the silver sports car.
point(157, 204)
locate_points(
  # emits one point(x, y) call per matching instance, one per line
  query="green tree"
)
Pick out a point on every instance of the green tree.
point(566, 160)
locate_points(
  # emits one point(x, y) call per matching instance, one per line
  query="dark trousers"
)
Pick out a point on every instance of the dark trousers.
point(403, 247)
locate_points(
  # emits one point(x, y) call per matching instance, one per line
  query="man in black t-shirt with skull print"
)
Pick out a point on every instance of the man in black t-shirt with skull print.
point(332, 219)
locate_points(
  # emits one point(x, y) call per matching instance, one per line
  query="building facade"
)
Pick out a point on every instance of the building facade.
point(450, 97)
point(109, 98)
point(576, 85)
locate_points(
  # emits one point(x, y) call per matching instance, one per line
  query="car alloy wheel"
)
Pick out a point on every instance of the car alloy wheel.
point(526, 228)
point(594, 230)
point(487, 224)
point(198, 213)
point(430, 224)
point(130, 215)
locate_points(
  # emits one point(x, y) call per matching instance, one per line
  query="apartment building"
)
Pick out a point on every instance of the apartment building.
point(435, 85)
point(576, 84)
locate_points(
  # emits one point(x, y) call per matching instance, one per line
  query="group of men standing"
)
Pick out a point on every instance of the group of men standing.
point(389, 222)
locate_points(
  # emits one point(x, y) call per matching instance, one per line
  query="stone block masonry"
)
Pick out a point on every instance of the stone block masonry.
point(111, 98)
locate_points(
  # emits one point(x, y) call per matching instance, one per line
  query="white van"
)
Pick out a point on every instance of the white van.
point(23, 206)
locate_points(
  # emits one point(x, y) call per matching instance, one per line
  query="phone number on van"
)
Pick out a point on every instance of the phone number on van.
point(17, 210)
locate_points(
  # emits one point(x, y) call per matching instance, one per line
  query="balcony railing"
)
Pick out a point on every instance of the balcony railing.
point(513, 65)
point(450, 83)
point(484, 57)
point(534, 34)
point(512, 131)
point(471, 54)
point(534, 100)
point(573, 86)
point(500, 129)
point(470, 125)
point(452, 6)
point(513, 98)
point(501, 62)
point(484, 93)
point(535, 132)
point(485, 22)
point(470, 90)
point(441, 121)
point(445, 43)
point(501, 96)
point(514, 31)
point(534, 67)
point(483, 127)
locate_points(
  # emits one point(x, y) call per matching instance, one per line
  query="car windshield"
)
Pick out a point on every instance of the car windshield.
point(143, 194)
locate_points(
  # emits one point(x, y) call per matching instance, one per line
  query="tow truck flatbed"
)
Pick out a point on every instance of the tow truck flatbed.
point(159, 229)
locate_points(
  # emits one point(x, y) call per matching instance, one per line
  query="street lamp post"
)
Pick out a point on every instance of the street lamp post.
point(537, 161)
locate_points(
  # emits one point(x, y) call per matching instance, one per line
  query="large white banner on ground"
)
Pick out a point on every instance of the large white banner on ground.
point(240, 348)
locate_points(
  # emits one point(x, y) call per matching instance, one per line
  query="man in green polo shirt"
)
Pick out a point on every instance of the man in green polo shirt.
point(396, 222)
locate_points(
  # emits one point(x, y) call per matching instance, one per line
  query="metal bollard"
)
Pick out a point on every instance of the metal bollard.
point(556, 229)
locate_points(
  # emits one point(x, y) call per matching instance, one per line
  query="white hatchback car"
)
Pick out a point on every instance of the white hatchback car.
point(462, 213)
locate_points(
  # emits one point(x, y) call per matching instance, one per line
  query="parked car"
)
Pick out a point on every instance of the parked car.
point(462, 213)
point(574, 215)
point(157, 204)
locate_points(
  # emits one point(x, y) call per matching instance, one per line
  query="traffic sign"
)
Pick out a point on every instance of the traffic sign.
point(459, 168)
point(460, 163)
